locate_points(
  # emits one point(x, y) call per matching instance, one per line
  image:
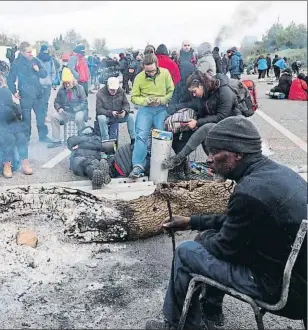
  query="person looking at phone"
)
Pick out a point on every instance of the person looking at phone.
point(152, 90)
point(112, 106)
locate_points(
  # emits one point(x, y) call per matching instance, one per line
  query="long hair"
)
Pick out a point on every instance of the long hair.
point(198, 78)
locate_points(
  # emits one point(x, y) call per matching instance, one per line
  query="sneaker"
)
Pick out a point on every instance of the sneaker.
point(104, 168)
point(54, 144)
point(25, 167)
point(7, 170)
point(172, 162)
point(153, 325)
point(136, 173)
point(97, 179)
point(45, 139)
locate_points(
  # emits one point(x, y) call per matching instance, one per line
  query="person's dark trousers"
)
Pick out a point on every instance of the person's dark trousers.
point(37, 104)
point(267, 72)
point(236, 76)
point(85, 86)
point(192, 257)
point(46, 96)
point(83, 166)
point(21, 143)
point(125, 83)
point(277, 72)
point(179, 140)
point(7, 145)
point(262, 74)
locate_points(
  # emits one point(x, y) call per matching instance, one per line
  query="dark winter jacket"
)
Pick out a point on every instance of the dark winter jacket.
point(284, 84)
point(28, 79)
point(71, 101)
point(89, 145)
point(269, 62)
point(235, 63)
point(218, 61)
point(275, 59)
point(220, 104)
point(187, 57)
point(123, 65)
point(10, 114)
point(106, 103)
point(259, 228)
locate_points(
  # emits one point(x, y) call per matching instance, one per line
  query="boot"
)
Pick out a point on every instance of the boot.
point(171, 163)
point(97, 179)
point(25, 167)
point(7, 170)
point(104, 168)
point(186, 167)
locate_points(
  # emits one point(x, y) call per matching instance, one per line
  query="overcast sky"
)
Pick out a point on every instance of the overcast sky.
point(130, 23)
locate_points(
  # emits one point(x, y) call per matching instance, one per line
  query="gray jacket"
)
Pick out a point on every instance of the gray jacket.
point(49, 67)
point(206, 64)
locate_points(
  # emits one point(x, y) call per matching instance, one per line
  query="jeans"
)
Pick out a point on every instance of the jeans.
point(145, 119)
point(37, 104)
point(57, 118)
point(46, 96)
point(192, 257)
point(104, 121)
point(261, 74)
point(12, 141)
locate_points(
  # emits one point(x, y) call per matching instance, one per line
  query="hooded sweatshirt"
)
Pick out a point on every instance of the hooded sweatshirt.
point(235, 63)
point(206, 62)
point(164, 61)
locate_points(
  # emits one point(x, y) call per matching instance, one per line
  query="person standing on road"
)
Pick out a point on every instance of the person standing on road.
point(124, 66)
point(187, 53)
point(269, 64)
point(217, 59)
point(112, 106)
point(28, 71)
point(276, 69)
point(152, 91)
point(281, 64)
point(79, 67)
point(236, 63)
point(237, 248)
point(262, 67)
point(49, 66)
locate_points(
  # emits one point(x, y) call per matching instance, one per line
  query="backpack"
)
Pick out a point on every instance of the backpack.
point(246, 102)
point(9, 53)
point(177, 122)
point(241, 65)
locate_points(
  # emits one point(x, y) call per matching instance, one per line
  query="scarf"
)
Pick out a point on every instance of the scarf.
point(44, 57)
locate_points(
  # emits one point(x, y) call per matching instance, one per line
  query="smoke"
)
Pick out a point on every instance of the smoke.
point(246, 15)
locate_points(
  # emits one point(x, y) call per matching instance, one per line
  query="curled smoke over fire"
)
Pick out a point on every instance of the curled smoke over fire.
point(245, 15)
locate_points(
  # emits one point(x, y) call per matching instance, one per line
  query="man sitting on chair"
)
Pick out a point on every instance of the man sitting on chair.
point(112, 106)
point(247, 247)
point(70, 102)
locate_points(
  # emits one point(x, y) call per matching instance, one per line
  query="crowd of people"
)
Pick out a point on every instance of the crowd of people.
point(193, 94)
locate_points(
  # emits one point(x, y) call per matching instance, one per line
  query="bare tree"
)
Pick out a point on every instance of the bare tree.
point(100, 46)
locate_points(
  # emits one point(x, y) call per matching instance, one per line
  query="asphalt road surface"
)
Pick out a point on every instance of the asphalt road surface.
point(136, 271)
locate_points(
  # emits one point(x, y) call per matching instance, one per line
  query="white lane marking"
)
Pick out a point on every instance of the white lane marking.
point(57, 159)
point(295, 139)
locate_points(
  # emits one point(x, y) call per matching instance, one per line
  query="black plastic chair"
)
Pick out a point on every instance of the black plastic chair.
point(259, 307)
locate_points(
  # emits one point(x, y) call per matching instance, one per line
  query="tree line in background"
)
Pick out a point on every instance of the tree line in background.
point(277, 38)
point(61, 44)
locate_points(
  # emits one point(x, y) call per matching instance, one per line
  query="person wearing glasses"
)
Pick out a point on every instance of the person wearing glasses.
point(152, 91)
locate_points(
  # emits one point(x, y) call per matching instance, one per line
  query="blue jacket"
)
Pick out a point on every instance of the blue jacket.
point(28, 79)
point(235, 63)
point(281, 64)
point(262, 64)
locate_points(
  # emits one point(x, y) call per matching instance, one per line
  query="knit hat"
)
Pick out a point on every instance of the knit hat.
point(80, 49)
point(43, 48)
point(67, 75)
point(235, 134)
point(162, 50)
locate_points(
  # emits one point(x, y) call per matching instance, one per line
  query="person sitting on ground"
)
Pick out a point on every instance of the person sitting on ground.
point(112, 106)
point(284, 84)
point(70, 103)
point(218, 103)
point(152, 91)
point(164, 61)
point(187, 54)
point(86, 159)
point(206, 62)
point(237, 248)
point(12, 133)
point(298, 90)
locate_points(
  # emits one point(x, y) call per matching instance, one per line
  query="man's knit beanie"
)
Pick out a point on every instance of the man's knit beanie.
point(235, 134)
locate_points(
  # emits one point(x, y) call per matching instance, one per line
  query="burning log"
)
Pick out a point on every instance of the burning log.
point(95, 219)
